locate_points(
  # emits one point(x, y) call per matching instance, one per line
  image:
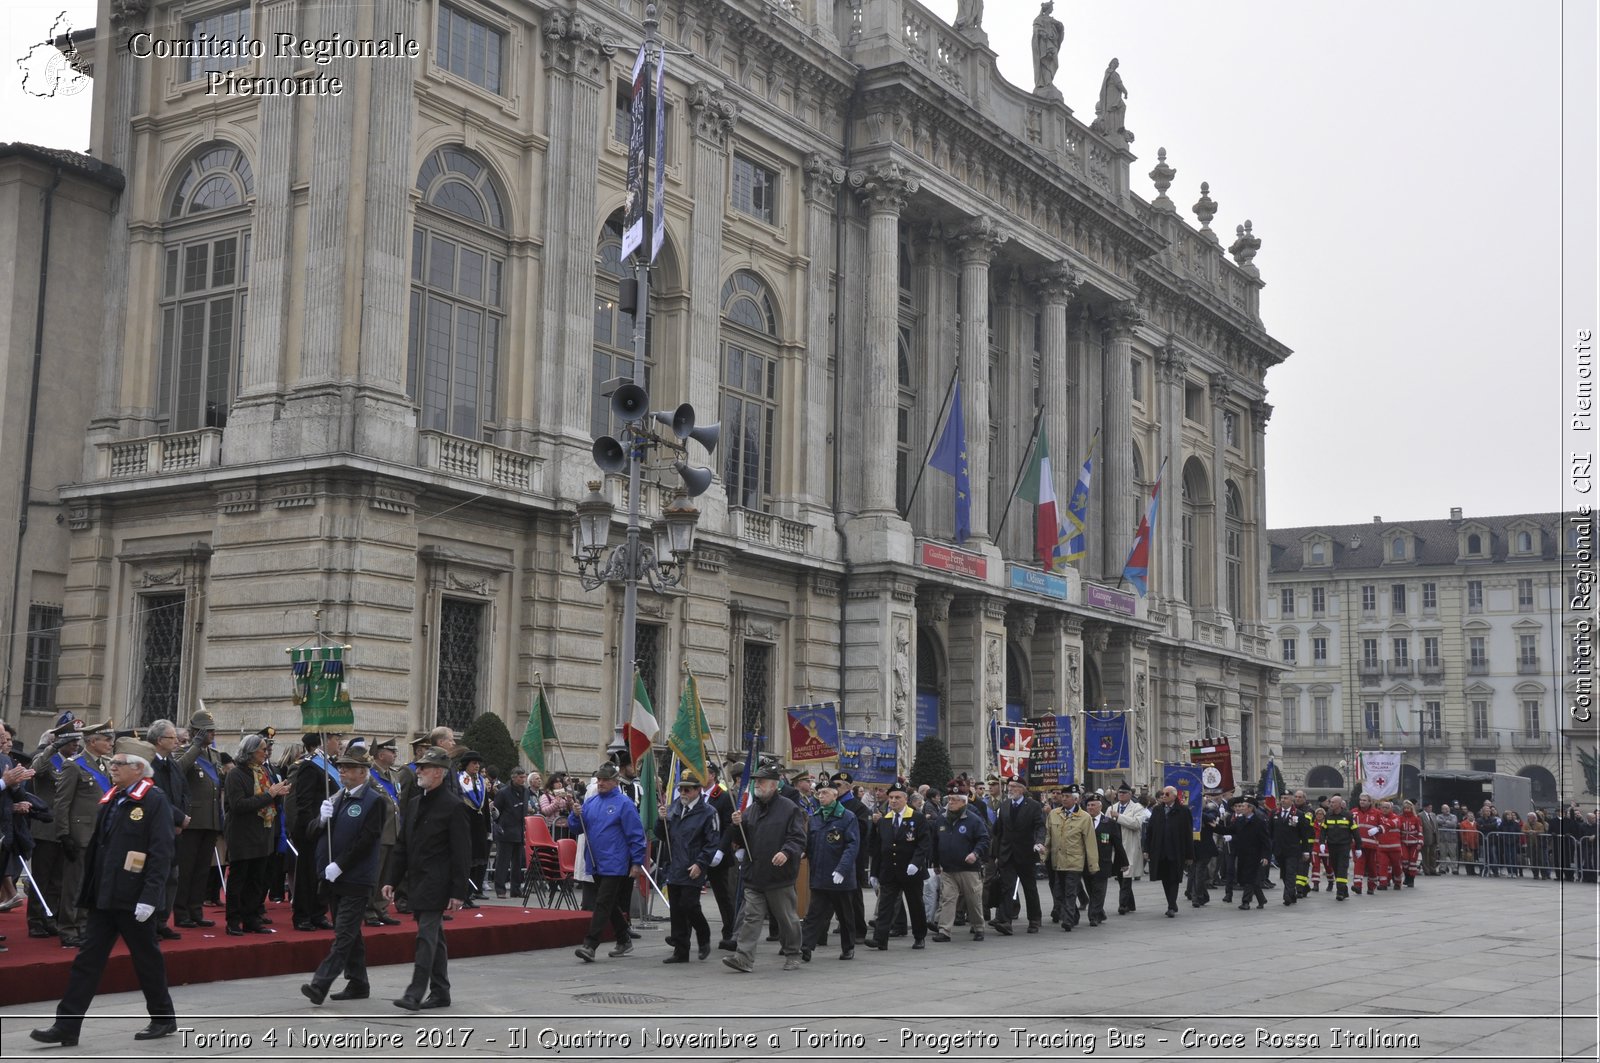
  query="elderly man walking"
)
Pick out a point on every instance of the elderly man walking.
point(430, 859)
point(615, 857)
point(770, 838)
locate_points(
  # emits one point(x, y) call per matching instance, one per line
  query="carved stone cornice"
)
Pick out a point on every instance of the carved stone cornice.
point(979, 239)
point(1058, 282)
point(576, 45)
point(713, 113)
point(884, 186)
point(823, 178)
point(933, 603)
point(825, 584)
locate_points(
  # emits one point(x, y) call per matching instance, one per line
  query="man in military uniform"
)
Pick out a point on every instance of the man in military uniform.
point(803, 792)
point(352, 821)
point(386, 780)
point(1291, 836)
point(58, 746)
point(1113, 860)
point(83, 782)
point(858, 903)
point(475, 791)
point(1252, 843)
point(314, 781)
point(901, 848)
point(122, 881)
point(197, 845)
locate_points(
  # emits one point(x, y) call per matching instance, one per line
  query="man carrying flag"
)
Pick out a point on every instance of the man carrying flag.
point(1137, 569)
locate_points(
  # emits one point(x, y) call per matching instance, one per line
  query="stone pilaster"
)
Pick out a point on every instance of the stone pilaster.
point(1083, 362)
point(1118, 398)
point(1219, 493)
point(1172, 371)
point(978, 240)
point(1258, 555)
point(1056, 287)
point(823, 179)
point(712, 116)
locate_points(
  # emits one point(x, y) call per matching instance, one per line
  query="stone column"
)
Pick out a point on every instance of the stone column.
point(1220, 390)
point(1257, 553)
point(978, 240)
point(1056, 287)
point(1083, 359)
point(823, 179)
point(712, 117)
point(1117, 389)
point(1172, 370)
point(884, 187)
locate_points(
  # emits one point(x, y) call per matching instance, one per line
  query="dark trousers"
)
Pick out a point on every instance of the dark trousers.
point(1171, 879)
point(46, 864)
point(308, 905)
point(1010, 875)
point(100, 932)
point(610, 906)
point(823, 907)
point(1199, 888)
point(1293, 872)
point(377, 907)
point(1097, 897)
point(722, 893)
point(430, 975)
point(171, 893)
point(1065, 885)
point(1250, 877)
point(1339, 857)
point(274, 872)
point(246, 889)
point(510, 857)
point(687, 917)
point(349, 952)
point(1125, 894)
point(890, 895)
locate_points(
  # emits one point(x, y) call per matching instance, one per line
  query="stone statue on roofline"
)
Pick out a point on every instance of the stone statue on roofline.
point(1048, 33)
point(1111, 109)
point(969, 15)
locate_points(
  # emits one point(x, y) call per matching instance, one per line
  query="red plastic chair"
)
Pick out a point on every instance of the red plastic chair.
point(537, 831)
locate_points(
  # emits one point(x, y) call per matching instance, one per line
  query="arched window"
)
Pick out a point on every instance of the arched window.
point(749, 390)
point(1474, 543)
point(1139, 492)
point(1235, 549)
point(903, 414)
point(1398, 549)
point(1545, 790)
point(1323, 777)
point(1524, 542)
point(1196, 532)
point(204, 288)
point(458, 256)
point(613, 328)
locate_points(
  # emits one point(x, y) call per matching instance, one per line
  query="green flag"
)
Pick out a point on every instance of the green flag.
point(319, 687)
point(541, 728)
point(649, 803)
point(689, 730)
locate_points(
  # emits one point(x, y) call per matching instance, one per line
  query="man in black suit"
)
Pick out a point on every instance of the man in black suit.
point(313, 781)
point(352, 821)
point(124, 881)
point(431, 857)
point(1113, 859)
point(1252, 844)
point(169, 776)
point(1019, 842)
point(1170, 844)
point(901, 848)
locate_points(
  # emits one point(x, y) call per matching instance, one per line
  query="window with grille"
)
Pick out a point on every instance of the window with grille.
point(161, 656)
point(648, 642)
point(1433, 718)
point(755, 683)
point(43, 655)
point(1319, 714)
point(749, 390)
point(754, 190)
point(469, 48)
point(461, 644)
point(1480, 719)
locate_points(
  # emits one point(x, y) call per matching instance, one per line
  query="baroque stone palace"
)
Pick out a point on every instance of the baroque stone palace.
point(1464, 642)
point(352, 346)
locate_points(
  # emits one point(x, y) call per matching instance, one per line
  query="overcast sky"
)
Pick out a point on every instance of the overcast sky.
point(1401, 162)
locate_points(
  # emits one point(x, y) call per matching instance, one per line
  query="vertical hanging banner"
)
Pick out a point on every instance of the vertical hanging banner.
point(813, 732)
point(319, 687)
point(1216, 763)
point(1380, 773)
point(658, 220)
point(633, 209)
point(1052, 751)
point(1015, 746)
point(1185, 778)
point(1105, 741)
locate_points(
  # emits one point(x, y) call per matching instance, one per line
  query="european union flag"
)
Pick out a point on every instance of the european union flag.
point(951, 456)
point(1105, 741)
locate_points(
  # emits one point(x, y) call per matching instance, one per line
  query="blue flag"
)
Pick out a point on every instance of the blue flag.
point(951, 456)
point(1191, 789)
point(1105, 741)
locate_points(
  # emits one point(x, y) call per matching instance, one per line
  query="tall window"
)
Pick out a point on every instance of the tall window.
point(1474, 595)
point(1198, 543)
point(161, 656)
point(1319, 649)
point(755, 676)
point(648, 641)
point(613, 330)
point(458, 254)
point(1291, 714)
point(1430, 597)
point(204, 35)
point(1433, 719)
point(1477, 652)
point(203, 290)
point(1524, 542)
point(1398, 550)
point(749, 390)
point(902, 424)
point(1531, 726)
point(1233, 547)
point(1290, 649)
point(469, 48)
point(1525, 593)
point(1480, 719)
point(755, 190)
point(1319, 714)
point(461, 639)
point(1430, 651)
point(1371, 722)
point(1397, 597)
point(1474, 544)
point(1369, 652)
point(1528, 650)
point(43, 654)
point(1319, 601)
point(1402, 650)
point(1369, 598)
point(1286, 602)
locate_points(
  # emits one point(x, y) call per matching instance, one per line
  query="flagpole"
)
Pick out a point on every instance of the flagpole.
point(932, 441)
point(1022, 470)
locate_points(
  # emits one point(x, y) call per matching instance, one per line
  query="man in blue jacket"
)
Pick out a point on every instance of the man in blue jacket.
point(615, 858)
point(353, 820)
point(961, 843)
point(690, 834)
point(835, 837)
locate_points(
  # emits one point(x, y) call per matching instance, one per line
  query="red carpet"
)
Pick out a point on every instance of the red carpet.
point(36, 968)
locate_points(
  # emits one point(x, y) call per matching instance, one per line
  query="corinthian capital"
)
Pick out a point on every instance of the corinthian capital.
point(575, 44)
point(823, 178)
point(980, 238)
point(1221, 391)
point(1123, 317)
point(129, 13)
point(1058, 282)
point(714, 113)
point(884, 186)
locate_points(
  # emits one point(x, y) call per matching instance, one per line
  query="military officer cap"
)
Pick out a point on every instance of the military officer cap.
point(607, 770)
point(387, 743)
point(434, 758)
point(90, 730)
point(420, 739)
point(202, 721)
point(798, 777)
point(895, 788)
point(688, 778)
point(844, 777)
point(468, 756)
point(992, 779)
point(1072, 788)
point(352, 758)
point(769, 772)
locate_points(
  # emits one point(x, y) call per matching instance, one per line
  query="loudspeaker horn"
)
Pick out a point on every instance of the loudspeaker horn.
point(628, 402)
point(696, 480)
point(707, 435)
point(609, 455)
point(681, 420)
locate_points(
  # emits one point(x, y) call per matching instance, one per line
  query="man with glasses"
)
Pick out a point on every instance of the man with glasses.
point(1170, 844)
point(124, 880)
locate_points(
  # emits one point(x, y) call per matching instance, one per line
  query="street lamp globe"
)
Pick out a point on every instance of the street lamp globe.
point(592, 530)
point(680, 518)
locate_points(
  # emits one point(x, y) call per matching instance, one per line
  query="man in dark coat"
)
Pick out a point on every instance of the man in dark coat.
point(352, 822)
point(475, 792)
point(771, 836)
point(1252, 843)
point(510, 833)
point(169, 775)
point(1170, 844)
point(901, 848)
point(431, 858)
point(313, 782)
point(1113, 859)
point(124, 878)
point(721, 870)
point(1291, 840)
point(690, 834)
point(251, 832)
point(1019, 842)
point(834, 838)
point(853, 804)
point(197, 845)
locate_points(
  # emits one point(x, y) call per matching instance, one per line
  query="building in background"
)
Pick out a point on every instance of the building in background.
point(1448, 639)
point(352, 346)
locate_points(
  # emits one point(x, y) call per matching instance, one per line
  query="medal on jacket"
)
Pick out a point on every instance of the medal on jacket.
point(136, 815)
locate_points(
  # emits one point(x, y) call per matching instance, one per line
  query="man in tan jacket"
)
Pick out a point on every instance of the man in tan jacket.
point(1070, 853)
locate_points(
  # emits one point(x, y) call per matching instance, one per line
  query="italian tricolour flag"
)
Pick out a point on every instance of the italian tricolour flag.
point(1039, 487)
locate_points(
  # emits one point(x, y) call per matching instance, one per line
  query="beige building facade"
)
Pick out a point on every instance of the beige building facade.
point(353, 343)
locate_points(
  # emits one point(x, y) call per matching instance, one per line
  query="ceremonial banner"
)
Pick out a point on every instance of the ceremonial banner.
point(869, 758)
point(320, 689)
point(1105, 741)
point(1215, 758)
point(541, 728)
point(1014, 749)
point(813, 732)
point(1191, 790)
point(1380, 773)
point(1051, 764)
point(687, 739)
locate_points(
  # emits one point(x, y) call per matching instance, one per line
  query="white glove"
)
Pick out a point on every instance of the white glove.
point(838, 879)
point(141, 912)
point(1372, 832)
point(911, 869)
point(332, 872)
point(327, 809)
point(738, 855)
point(716, 860)
point(873, 881)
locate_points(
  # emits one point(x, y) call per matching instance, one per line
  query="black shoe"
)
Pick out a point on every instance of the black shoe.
point(1066, 928)
point(728, 945)
point(1004, 929)
point(235, 932)
point(408, 1004)
point(155, 1030)
point(919, 944)
point(313, 994)
point(40, 932)
point(256, 930)
point(373, 922)
point(1033, 928)
point(384, 920)
point(54, 1035)
point(1172, 913)
point(208, 922)
point(677, 958)
point(705, 949)
point(805, 955)
point(166, 933)
point(470, 903)
point(848, 954)
point(1260, 905)
point(185, 924)
point(435, 1002)
point(71, 942)
point(319, 923)
point(1245, 907)
point(941, 936)
point(1227, 898)
point(301, 924)
point(881, 946)
point(352, 991)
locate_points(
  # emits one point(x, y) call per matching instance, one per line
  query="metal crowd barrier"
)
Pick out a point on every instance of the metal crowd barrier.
point(1514, 853)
